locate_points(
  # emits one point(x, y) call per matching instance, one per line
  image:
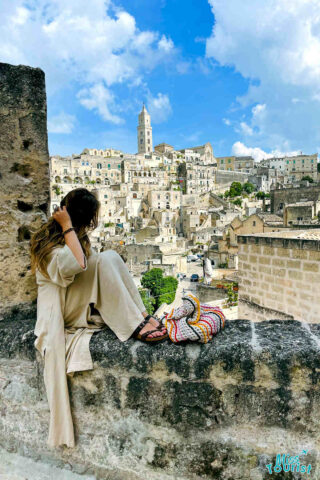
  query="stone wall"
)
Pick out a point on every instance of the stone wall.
point(207, 293)
point(285, 196)
point(279, 277)
point(224, 176)
point(221, 410)
point(24, 178)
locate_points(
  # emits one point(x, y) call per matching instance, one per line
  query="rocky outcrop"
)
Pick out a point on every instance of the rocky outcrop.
point(24, 177)
point(222, 410)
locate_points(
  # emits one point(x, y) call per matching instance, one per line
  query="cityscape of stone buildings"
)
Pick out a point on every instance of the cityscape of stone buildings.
point(161, 203)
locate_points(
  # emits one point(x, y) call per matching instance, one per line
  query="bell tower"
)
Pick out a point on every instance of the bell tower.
point(144, 132)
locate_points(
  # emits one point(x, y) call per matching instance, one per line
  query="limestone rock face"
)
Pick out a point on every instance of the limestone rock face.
point(221, 410)
point(24, 177)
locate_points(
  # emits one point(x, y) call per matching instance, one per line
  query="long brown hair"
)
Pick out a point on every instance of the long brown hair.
point(83, 208)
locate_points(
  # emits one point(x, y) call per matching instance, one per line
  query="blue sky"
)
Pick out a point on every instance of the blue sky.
point(242, 74)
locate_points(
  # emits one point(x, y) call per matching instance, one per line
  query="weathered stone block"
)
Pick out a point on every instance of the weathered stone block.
point(164, 411)
point(24, 184)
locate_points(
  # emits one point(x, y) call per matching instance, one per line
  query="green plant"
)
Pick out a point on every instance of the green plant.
point(308, 178)
point(57, 190)
point(248, 187)
point(148, 301)
point(109, 224)
point(235, 189)
point(163, 289)
point(260, 195)
point(232, 299)
point(237, 201)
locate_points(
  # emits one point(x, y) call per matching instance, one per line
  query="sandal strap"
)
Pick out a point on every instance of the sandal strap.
point(139, 327)
point(156, 318)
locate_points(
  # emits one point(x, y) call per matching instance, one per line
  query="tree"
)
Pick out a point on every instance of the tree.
point(308, 178)
point(163, 289)
point(235, 189)
point(248, 187)
point(238, 202)
point(148, 301)
point(261, 195)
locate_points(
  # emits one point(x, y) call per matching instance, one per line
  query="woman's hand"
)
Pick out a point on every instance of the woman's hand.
point(62, 216)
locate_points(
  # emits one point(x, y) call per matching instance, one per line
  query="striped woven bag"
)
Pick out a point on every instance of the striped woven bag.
point(200, 324)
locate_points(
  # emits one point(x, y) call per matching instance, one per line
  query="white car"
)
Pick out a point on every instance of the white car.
point(192, 258)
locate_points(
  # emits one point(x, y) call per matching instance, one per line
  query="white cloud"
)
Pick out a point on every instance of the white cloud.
point(241, 150)
point(159, 107)
point(274, 44)
point(100, 99)
point(62, 123)
point(82, 44)
point(246, 129)
point(227, 122)
point(166, 44)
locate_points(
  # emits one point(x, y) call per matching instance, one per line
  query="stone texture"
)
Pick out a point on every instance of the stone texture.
point(24, 178)
point(277, 277)
point(221, 411)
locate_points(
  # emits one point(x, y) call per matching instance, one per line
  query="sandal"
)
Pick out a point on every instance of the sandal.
point(160, 326)
point(144, 336)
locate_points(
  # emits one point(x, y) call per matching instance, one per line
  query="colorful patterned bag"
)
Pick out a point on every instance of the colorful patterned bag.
point(193, 321)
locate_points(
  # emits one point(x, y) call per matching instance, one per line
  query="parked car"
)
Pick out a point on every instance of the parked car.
point(194, 277)
point(200, 255)
point(192, 258)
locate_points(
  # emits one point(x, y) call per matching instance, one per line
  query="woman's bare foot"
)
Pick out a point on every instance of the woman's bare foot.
point(151, 326)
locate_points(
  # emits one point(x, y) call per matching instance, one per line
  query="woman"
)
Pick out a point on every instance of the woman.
point(71, 277)
point(207, 270)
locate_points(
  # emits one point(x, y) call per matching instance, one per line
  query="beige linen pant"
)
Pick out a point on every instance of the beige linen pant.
point(108, 284)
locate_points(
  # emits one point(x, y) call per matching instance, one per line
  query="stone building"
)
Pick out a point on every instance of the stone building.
point(240, 164)
point(280, 197)
point(144, 132)
point(257, 223)
point(301, 213)
point(202, 154)
point(295, 167)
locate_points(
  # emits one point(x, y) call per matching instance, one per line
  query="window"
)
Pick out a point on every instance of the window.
point(148, 132)
point(141, 140)
point(109, 166)
point(229, 161)
point(254, 223)
point(119, 166)
point(87, 163)
point(148, 140)
point(221, 161)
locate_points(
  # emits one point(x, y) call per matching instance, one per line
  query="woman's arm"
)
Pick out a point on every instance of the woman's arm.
point(62, 216)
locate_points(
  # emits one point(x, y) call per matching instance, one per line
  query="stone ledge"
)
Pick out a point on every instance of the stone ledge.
point(220, 410)
point(279, 239)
